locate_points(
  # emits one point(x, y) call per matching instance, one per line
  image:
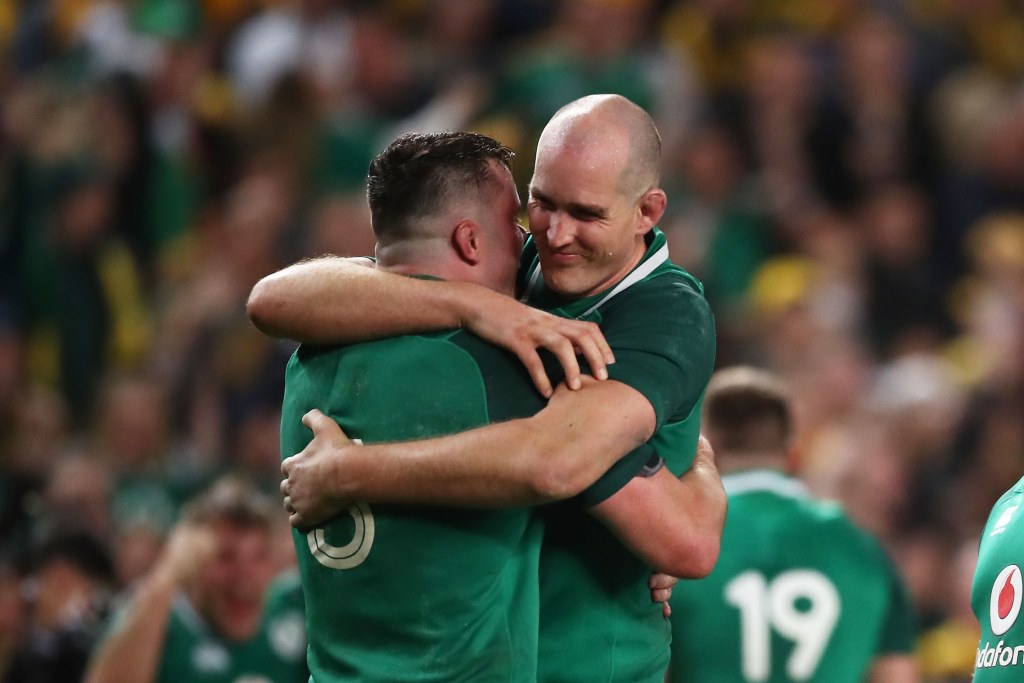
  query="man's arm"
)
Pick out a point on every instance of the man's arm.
point(336, 300)
point(550, 456)
point(894, 668)
point(675, 525)
point(133, 649)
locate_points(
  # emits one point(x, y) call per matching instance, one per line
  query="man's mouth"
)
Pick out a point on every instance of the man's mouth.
point(565, 258)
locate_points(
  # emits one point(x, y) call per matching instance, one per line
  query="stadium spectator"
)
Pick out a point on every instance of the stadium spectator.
point(211, 608)
point(799, 592)
point(67, 590)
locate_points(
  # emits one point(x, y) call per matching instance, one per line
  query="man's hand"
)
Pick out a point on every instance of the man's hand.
point(523, 330)
point(306, 487)
point(661, 586)
point(705, 456)
point(187, 552)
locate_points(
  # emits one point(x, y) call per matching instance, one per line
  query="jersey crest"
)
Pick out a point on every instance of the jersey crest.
point(1003, 521)
point(287, 635)
point(209, 656)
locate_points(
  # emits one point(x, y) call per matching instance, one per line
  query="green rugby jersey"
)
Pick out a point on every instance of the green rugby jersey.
point(799, 594)
point(997, 591)
point(276, 654)
point(417, 593)
point(597, 619)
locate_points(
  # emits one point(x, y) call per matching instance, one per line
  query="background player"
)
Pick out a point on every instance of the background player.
point(211, 610)
point(799, 592)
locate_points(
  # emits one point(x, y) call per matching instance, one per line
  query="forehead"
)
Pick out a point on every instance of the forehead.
point(233, 535)
point(576, 173)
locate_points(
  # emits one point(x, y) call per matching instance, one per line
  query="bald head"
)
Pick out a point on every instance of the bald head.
point(605, 123)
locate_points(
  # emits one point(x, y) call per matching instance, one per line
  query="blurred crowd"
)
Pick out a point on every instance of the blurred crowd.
point(845, 176)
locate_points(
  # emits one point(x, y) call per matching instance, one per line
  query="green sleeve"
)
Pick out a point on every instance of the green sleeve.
point(663, 336)
point(633, 464)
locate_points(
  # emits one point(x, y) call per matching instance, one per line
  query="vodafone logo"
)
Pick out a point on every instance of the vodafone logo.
point(1007, 592)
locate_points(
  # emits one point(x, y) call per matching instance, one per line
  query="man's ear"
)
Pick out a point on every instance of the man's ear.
point(466, 240)
point(652, 208)
point(794, 460)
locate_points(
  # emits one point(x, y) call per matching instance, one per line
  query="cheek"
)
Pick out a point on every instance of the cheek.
point(538, 220)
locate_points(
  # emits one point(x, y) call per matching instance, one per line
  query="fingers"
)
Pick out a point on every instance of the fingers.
point(591, 344)
point(535, 367)
point(322, 425)
point(311, 417)
point(704, 449)
point(661, 590)
point(566, 355)
point(595, 357)
point(659, 581)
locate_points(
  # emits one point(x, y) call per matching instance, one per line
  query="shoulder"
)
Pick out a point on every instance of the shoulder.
point(1013, 495)
point(836, 523)
point(510, 391)
point(669, 296)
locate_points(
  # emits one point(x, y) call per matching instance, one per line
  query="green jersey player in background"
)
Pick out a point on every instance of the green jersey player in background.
point(428, 593)
point(594, 202)
point(211, 610)
point(997, 591)
point(799, 594)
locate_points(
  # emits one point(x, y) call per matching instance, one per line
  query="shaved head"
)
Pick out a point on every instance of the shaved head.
point(610, 121)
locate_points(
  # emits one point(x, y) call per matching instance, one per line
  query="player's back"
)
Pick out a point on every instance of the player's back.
point(416, 593)
point(799, 594)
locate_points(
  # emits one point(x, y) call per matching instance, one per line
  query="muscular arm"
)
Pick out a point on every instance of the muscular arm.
point(894, 668)
point(336, 300)
point(675, 525)
point(553, 455)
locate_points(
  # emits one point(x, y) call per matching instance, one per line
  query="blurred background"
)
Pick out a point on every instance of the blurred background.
point(845, 176)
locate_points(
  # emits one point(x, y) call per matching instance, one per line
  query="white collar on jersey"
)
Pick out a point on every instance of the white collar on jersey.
point(771, 481)
point(639, 273)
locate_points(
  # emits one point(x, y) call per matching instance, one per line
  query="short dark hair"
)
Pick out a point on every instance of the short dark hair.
point(232, 499)
point(88, 554)
point(419, 173)
point(747, 410)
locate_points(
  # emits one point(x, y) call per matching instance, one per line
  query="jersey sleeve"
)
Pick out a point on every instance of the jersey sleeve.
point(638, 462)
point(900, 628)
point(663, 336)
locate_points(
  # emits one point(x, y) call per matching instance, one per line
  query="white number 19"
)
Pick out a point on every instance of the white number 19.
point(771, 605)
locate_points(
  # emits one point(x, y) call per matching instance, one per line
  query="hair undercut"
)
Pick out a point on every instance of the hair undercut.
point(747, 410)
point(419, 173)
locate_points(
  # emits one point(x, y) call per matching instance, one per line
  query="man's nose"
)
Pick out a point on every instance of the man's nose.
point(560, 230)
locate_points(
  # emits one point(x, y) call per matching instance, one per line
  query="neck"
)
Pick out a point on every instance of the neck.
point(416, 257)
point(732, 462)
